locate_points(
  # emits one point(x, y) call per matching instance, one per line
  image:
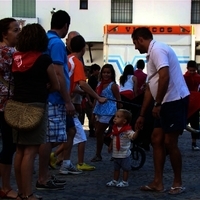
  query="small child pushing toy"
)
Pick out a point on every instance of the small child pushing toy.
point(121, 135)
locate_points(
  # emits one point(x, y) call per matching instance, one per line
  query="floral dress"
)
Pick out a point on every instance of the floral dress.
point(6, 57)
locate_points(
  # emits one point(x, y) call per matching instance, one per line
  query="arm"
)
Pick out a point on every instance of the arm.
point(132, 135)
point(63, 89)
point(54, 83)
point(148, 99)
point(163, 83)
point(84, 86)
point(115, 90)
point(135, 85)
point(146, 102)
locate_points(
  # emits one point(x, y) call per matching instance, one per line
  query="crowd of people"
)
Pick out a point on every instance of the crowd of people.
point(37, 68)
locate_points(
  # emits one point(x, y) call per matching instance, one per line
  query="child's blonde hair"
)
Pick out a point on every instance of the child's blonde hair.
point(127, 115)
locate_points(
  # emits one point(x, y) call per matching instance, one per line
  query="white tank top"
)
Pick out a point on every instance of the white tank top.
point(128, 85)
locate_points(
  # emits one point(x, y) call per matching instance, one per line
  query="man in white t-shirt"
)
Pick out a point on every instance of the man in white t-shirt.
point(169, 92)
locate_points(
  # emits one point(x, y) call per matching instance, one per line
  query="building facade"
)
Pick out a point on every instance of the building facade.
point(90, 16)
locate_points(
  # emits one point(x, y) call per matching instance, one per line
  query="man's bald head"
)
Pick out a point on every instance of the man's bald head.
point(69, 37)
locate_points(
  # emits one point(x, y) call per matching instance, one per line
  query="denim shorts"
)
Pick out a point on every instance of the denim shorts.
point(122, 163)
point(173, 115)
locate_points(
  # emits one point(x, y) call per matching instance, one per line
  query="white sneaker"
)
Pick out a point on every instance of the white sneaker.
point(69, 170)
point(112, 183)
point(122, 184)
point(195, 148)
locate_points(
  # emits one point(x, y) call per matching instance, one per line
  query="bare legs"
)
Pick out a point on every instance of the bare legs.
point(165, 141)
point(5, 171)
point(24, 162)
point(67, 146)
point(117, 174)
point(44, 153)
point(99, 132)
point(171, 142)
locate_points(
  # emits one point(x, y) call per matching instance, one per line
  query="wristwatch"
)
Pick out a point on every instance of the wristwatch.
point(156, 104)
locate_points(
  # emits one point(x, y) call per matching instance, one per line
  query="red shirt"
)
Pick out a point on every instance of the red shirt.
point(192, 81)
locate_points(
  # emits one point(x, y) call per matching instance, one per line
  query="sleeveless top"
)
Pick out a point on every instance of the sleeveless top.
point(128, 85)
point(108, 108)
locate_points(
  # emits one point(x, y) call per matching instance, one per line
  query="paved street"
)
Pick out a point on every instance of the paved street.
point(91, 185)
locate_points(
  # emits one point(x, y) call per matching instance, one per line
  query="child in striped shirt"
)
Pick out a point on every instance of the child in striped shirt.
point(122, 134)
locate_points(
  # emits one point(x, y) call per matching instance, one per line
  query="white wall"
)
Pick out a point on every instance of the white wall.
point(161, 12)
point(44, 8)
point(90, 22)
point(5, 8)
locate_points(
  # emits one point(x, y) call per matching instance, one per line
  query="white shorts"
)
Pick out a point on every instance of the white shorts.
point(80, 135)
point(104, 118)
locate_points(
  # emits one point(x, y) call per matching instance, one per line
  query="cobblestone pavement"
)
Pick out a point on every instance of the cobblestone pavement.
point(91, 185)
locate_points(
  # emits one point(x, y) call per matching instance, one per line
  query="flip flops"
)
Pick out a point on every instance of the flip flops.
point(5, 195)
point(147, 188)
point(172, 191)
point(176, 190)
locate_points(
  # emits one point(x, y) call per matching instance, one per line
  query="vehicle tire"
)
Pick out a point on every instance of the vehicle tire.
point(138, 158)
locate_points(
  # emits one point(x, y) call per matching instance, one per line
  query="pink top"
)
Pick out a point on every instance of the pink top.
point(141, 79)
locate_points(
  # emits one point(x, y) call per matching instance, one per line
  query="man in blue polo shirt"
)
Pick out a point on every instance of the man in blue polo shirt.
point(60, 107)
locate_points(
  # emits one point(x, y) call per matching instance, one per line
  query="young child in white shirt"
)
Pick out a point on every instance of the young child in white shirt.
point(121, 135)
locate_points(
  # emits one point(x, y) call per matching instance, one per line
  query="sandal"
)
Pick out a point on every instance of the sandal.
point(96, 159)
point(112, 183)
point(31, 195)
point(4, 195)
point(176, 190)
point(122, 184)
point(19, 196)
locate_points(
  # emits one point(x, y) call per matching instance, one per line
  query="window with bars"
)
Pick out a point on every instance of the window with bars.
point(195, 12)
point(83, 4)
point(121, 11)
point(24, 8)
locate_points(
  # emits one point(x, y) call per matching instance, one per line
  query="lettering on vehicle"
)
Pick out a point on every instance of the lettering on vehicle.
point(167, 29)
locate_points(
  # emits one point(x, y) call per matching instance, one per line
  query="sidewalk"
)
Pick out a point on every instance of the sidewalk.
point(92, 185)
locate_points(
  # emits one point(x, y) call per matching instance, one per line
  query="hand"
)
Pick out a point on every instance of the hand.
point(70, 109)
point(102, 99)
point(135, 135)
point(156, 112)
point(143, 87)
point(139, 123)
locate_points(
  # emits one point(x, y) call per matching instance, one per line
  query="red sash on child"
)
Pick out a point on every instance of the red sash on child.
point(117, 132)
point(100, 86)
